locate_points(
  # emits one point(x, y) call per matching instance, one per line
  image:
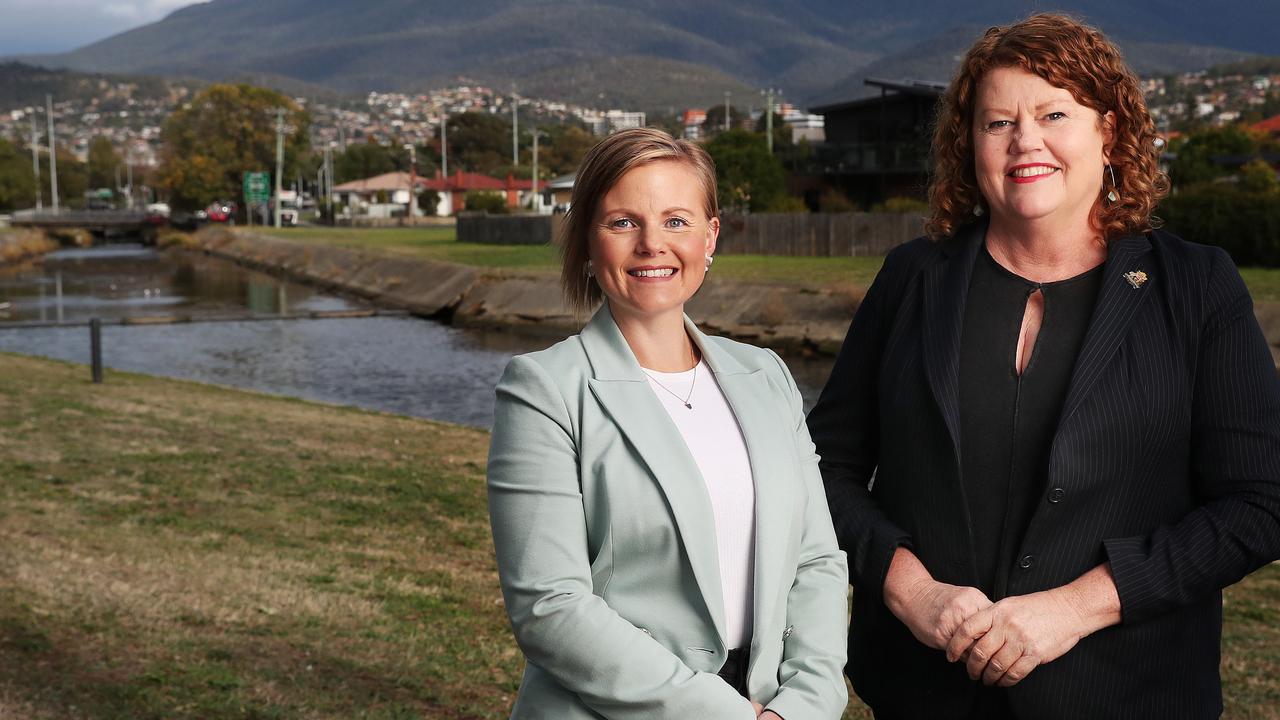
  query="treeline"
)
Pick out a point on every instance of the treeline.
point(18, 179)
point(1226, 193)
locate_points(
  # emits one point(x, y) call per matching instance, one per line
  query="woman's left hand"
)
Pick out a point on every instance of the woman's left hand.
point(1002, 644)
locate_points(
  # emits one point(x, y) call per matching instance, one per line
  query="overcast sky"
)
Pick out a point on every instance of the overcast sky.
point(47, 26)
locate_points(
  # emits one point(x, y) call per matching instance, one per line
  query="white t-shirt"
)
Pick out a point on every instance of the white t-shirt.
point(715, 441)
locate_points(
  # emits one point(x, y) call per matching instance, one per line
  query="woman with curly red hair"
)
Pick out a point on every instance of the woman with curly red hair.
point(1052, 435)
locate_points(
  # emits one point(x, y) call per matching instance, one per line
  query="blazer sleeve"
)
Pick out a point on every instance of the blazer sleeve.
point(1235, 465)
point(845, 427)
point(811, 674)
point(540, 535)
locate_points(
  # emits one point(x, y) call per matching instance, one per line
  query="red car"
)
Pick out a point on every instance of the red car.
point(220, 212)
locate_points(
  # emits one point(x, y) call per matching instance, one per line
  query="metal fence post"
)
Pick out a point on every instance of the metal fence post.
point(95, 348)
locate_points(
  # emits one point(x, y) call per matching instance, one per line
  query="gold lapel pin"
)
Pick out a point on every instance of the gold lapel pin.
point(1136, 278)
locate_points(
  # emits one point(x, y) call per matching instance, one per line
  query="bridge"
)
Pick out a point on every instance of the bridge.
point(98, 222)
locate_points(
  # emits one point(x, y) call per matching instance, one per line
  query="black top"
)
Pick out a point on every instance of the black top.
point(1007, 420)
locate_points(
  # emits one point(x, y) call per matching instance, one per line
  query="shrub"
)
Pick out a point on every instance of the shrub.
point(1245, 224)
point(902, 205)
point(786, 204)
point(490, 202)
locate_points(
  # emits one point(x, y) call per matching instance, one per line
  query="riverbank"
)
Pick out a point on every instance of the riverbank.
point(788, 317)
point(177, 550)
point(518, 286)
point(18, 245)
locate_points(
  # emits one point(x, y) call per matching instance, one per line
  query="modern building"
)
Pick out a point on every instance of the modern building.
point(876, 147)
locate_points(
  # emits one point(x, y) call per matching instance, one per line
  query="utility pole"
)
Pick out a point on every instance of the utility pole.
point(444, 144)
point(515, 131)
point(537, 199)
point(279, 160)
point(35, 160)
point(413, 180)
point(53, 152)
point(768, 119)
point(128, 172)
point(727, 96)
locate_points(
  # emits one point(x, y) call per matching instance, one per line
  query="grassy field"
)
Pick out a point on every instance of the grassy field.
point(175, 550)
point(439, 243)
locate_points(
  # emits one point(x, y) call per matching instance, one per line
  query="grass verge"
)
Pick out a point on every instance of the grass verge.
point(176, 550)
point(440, 243)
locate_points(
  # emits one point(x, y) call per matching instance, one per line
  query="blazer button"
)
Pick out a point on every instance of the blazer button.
point(1056, 495)
point(1026, 562)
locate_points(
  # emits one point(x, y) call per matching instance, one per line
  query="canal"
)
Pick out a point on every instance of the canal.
point(403, 365)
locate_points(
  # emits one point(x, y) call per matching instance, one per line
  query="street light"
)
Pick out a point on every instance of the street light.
point(413, 179)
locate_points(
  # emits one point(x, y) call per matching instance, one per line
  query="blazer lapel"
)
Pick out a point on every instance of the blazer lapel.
point(772, 469)
point(1117, 305)
point(623, 391)
point(945, 287)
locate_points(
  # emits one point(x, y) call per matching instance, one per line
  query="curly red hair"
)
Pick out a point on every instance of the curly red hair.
point(1078, 58)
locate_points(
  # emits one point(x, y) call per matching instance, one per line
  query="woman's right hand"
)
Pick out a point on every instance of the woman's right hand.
point(931, 610)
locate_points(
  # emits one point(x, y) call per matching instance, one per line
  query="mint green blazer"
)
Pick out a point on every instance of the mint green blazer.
point(606, 542)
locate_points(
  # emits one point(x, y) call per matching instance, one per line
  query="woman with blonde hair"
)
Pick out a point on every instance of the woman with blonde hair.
point(661, 528)
point(1052, 435)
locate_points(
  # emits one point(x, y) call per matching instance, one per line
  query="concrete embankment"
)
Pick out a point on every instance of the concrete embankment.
point(793, 319)
point(783, 317)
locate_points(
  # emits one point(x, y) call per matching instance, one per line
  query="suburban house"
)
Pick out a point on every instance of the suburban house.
point(378, 196)
point(876, 147)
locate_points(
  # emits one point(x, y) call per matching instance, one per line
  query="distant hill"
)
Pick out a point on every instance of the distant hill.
point(647, 54)
point(22, 85)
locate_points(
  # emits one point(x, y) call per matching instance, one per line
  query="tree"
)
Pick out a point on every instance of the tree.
point(480, 142)
point(781, 133)
point(363, 160)
point(224, 132)
point(17, 182)
point(1257, 176)
point(748, 176)
point(1194, 161)
point(566, 146)
point(103, 162)
point(715, 119)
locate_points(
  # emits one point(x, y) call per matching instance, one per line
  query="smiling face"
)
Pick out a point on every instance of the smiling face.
point(1039, 155)
point(651, 238)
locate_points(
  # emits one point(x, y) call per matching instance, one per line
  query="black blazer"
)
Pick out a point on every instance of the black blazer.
point(1166, 464)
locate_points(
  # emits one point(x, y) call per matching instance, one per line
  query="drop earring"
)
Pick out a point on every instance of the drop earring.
point(589, 270)
point(1112, 195)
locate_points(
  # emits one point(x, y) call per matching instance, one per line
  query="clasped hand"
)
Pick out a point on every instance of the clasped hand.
point(1000, 643)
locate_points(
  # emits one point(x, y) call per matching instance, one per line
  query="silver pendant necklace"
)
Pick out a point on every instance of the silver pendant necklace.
point(684, 400)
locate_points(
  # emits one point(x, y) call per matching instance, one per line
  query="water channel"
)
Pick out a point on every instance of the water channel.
point(398, 364)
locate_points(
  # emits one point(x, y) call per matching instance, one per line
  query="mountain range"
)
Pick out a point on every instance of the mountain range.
point(642, 54)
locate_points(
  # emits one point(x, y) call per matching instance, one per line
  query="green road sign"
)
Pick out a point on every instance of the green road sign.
point(257, 187)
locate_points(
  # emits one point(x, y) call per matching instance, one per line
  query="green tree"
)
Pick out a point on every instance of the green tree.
point(224, 132)
point(715, 119)
point(103, 162)
point(363, 160)
point(748, 176)
point(17, 181)
point(781, 133)
point(1194, 161)
point(566, 146)
point(480, 142)
point(1257, 176)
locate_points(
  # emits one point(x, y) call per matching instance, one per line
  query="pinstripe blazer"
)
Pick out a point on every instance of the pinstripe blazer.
point(1165, 463)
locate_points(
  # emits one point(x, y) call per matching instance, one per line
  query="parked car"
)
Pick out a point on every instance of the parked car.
point(220, 211)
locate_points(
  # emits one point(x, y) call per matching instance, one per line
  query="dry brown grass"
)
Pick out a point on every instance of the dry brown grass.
point(22, 244)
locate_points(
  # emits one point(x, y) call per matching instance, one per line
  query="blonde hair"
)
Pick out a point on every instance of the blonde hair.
point(601, 169)
point(1067, 54)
